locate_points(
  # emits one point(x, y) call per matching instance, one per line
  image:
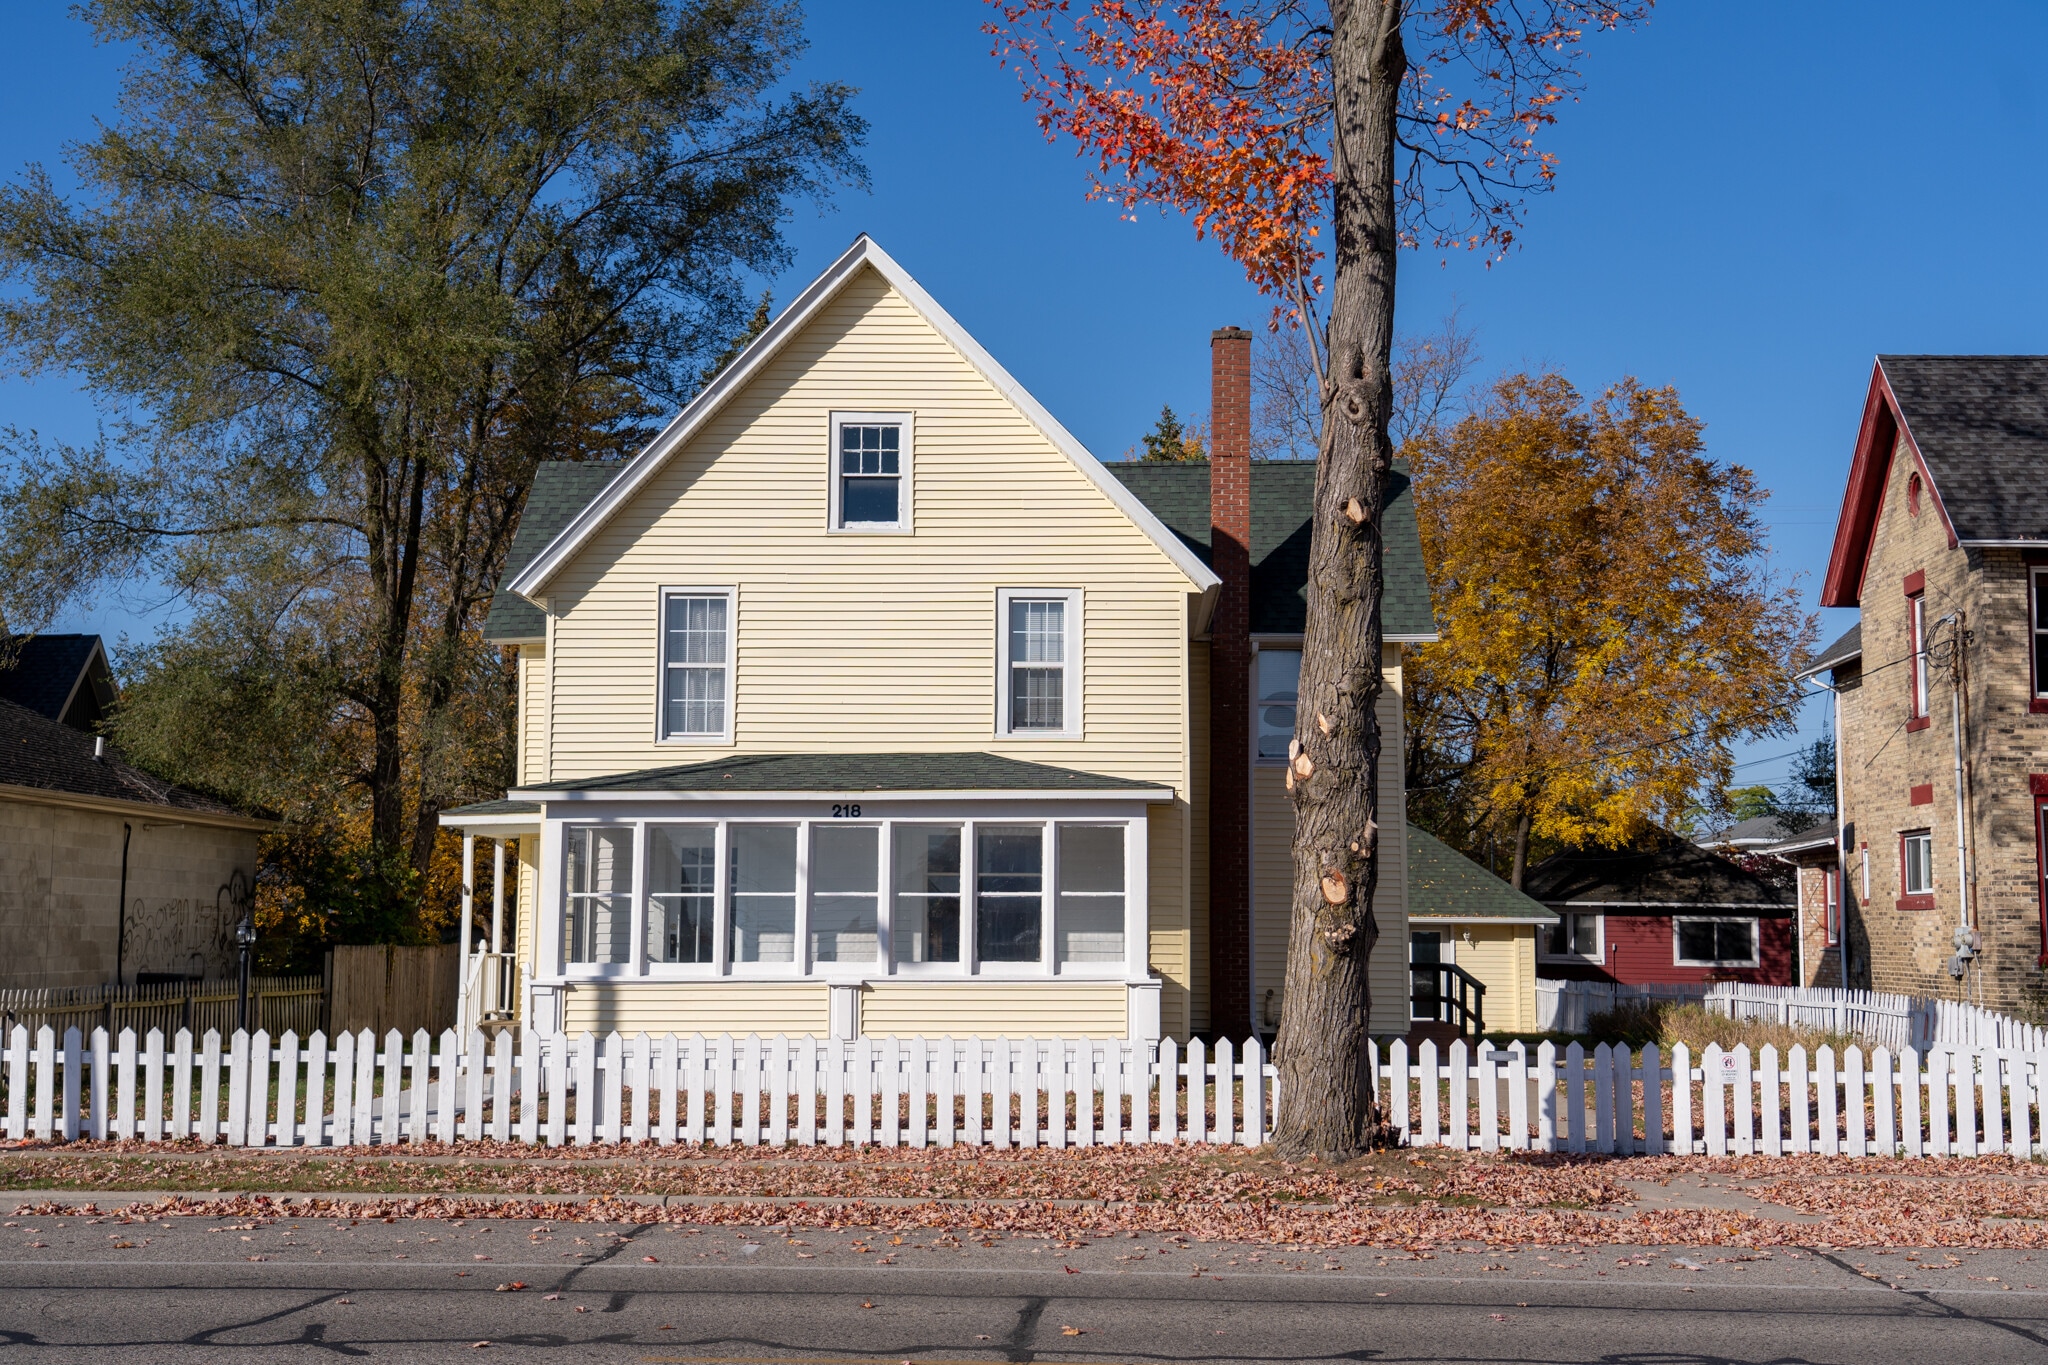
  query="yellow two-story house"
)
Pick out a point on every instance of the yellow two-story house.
point(866, 701)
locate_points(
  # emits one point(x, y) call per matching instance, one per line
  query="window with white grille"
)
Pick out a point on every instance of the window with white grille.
point(1040, 664)
point(696, 665)
point(871, 471)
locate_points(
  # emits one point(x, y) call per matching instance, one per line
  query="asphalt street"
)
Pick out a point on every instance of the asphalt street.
point(193, 1289)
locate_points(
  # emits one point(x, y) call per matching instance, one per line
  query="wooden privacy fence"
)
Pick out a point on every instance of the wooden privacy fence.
point(384, 986)
point(276, 1003)
point(252, 1090)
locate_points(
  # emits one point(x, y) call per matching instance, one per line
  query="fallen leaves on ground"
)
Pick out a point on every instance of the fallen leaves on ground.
point(1409, 1198)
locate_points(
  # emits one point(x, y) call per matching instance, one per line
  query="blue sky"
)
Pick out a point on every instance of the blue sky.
point(1751, 205)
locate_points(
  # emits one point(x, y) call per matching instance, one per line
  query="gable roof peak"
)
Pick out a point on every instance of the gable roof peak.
point(865, 253)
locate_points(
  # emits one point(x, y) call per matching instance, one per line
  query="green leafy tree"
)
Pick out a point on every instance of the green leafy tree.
point(1170, 440)
point(342, 274)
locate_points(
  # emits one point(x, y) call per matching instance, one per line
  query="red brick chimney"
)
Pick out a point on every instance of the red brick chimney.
point(1230, 684)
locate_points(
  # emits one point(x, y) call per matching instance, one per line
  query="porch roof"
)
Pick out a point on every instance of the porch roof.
point(1446, 886)
point(847, 774)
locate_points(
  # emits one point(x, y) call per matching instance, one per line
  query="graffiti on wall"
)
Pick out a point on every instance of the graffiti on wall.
point(188, 936)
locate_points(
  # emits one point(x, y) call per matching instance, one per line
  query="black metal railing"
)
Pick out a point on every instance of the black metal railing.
point(1447, 993)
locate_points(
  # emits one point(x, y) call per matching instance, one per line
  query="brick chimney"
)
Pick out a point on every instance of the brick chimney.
point(1230, 684)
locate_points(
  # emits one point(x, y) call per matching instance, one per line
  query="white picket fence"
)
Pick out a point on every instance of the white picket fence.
point(556, 1090)
point(1896, 1021)
point(1001, 1092)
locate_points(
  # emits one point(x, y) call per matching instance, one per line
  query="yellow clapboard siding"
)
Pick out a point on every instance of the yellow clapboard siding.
point(1273, 875)
point(533, 713)
point(992, 1009)
point(871, 642)
point(1503, 957)
point(708, 1007)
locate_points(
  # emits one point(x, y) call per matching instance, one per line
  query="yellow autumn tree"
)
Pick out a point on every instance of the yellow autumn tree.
point(1609, 627)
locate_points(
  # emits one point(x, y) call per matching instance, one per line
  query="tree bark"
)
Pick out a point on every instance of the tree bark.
point(1521, 851)
point(1328, 1105)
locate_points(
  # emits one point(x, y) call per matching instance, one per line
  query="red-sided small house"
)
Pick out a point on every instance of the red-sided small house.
point(1666, 913)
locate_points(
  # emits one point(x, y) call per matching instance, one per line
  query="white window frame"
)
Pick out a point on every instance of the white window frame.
point(636, 910)
point(643, 899)
point(835, 523)
point(1756, 941)
point(884, 866)
point(1599, 953)
point(724, 738)
point(1916, 606)
point(1260, 649)
point(1070, 706)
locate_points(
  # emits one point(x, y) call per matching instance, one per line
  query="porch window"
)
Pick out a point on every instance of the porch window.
point(1279, 691)
point(1714, 942)
point(597, 926)
point(1832, 910)
point(763, 893)
point(926, 925)
point(1009, 902)
point(1040, 664)
point(846, 871)
point(682, 889)
point(696, 665)
point(1091, 893)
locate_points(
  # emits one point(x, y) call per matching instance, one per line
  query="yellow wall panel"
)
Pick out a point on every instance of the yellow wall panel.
point(991, 1009)
point(708, 1007)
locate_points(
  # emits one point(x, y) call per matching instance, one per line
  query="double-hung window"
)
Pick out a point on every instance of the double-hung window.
point(1916, 865)
point(1574, 935)
point(1039, 663)
point(682, 893)
point(926, 924)
point(1831, 887)
point(871, 471)
point(1916, 607)
point(1279, 692)
point(1714, 942)
point(696, 665)
point(846, 873)
point(2037, 600)
point(1091, 893)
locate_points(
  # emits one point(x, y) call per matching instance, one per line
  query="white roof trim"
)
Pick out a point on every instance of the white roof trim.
point(1482, 919)
point(531, 582)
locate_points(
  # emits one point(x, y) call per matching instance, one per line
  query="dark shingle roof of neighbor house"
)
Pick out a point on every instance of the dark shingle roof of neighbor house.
point(1671, 876)
point(38, 752)
point(1848, 646)
point(495, 808)
point(1821, 835)
point(1445, 884)
point(1177, 492)
point(63, 677)
point(561, 489)
point(1981, 424)
point(852, 773)
point(1754, 832)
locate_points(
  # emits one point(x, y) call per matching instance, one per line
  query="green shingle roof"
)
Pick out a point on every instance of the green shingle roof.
point(561, 489)
point(496, 808)
point(1283, 494)
point(851, 773)
point(1444, 884)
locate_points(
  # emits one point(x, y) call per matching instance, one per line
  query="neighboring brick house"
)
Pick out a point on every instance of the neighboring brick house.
point(107, 874)
point(1943, 538)
point(1811, 854)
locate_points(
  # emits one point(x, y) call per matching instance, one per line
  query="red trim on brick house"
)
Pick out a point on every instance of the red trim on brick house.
point(1922, 795)
point(1916, 582)
point(2037, 784)
point(1863, 498)
point(1906, 902)
point(2041, 860)
point(1230, 683)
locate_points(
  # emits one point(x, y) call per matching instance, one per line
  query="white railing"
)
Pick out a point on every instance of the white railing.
point(555, 1090)
point(1002, 1092)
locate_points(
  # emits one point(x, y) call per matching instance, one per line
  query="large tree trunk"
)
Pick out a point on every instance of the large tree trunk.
point(1327, 1102)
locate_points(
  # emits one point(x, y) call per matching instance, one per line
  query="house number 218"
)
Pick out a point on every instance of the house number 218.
point(851, 812)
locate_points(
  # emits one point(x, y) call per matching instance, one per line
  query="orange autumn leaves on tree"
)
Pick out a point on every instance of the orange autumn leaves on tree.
point(1608, 627)
point(1220, 109)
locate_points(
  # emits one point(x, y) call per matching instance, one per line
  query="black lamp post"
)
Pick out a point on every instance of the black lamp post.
point(245, 939)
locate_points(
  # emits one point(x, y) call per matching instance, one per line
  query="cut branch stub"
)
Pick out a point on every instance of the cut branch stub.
point(1355, 510)
point(1336, 886)
point(1327, 726)
point(1304, 766)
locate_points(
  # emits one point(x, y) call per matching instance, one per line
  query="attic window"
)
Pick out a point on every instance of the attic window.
point(1913, 494)
point(870, 471)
